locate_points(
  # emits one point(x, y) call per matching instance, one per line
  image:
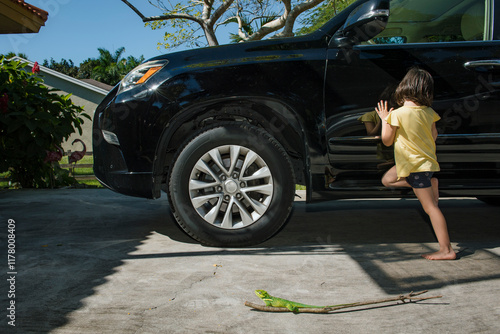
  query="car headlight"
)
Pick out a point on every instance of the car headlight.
point(141, 74)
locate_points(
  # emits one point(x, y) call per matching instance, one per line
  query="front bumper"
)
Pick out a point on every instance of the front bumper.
point(111, 170)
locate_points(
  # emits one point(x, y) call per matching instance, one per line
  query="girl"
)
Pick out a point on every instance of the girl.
point(412, 130)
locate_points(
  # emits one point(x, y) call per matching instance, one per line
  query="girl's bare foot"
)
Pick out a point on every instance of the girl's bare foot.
point(441, 255)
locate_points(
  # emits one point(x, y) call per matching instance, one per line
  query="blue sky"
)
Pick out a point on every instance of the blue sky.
point(76, 28)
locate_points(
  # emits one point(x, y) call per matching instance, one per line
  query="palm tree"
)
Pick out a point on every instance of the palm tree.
point(130, 63)
point(12, 54)
point(109, 66)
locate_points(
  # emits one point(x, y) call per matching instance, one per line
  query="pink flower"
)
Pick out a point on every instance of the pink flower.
point(35, 68)
point(4, 100)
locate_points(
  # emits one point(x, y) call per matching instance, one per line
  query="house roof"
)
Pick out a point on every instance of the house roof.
point(92, 85)
point(32, 9)
point(98, 84)
point(17, 16)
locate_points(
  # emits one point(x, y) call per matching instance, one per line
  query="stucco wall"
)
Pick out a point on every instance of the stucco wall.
point(83, 97)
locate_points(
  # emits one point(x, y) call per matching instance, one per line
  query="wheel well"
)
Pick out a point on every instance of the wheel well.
point(283, 126)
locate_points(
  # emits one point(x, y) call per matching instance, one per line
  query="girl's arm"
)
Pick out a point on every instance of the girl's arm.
point(388, 131)
point(372, 129)
point(434, 131)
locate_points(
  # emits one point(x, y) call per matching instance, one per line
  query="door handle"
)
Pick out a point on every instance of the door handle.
point(492, 63)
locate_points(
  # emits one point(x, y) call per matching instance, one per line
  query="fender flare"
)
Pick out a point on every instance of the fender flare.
point(285, 122)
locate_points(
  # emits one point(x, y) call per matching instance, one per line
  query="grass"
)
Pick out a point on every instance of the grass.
point(4, 184)
point(86, 160)
point(86, 171)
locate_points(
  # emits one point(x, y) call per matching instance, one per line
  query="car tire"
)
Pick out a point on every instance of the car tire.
point(232, 185)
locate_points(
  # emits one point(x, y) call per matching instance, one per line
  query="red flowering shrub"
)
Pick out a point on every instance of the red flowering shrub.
point(33, 120)
point(36, 68)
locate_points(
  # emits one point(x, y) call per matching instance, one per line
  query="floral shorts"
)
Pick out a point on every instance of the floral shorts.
point(420, 180)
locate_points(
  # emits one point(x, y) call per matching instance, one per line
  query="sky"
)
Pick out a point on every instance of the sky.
point(76, 28)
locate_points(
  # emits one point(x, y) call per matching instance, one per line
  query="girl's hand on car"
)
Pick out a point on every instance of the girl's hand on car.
point(382, 109)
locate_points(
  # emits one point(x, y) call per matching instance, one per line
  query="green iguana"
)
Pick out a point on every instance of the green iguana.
point(280, 302)
point(295, 307)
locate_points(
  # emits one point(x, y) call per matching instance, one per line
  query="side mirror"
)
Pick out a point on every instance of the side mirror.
point(366, 21)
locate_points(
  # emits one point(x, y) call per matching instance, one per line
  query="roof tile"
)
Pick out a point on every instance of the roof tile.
point(33, 9)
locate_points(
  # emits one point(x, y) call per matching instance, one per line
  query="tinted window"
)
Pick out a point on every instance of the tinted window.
point(430, 21)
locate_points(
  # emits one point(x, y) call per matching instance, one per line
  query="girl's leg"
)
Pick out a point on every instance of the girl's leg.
point(435, 189)
point(426, 197)
point(390, 179)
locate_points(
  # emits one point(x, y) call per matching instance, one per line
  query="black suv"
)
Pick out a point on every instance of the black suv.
point(227, 132)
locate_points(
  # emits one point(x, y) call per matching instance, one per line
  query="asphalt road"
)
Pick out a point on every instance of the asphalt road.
point(92, 261)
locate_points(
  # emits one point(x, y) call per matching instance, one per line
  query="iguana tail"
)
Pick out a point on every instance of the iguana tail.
point(338, 305)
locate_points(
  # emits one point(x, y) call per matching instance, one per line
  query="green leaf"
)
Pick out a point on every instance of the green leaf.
point(31, 125)
point(14, 126)
point(24, 137)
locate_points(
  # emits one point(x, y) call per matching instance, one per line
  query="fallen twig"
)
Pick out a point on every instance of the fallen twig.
point(411, 297)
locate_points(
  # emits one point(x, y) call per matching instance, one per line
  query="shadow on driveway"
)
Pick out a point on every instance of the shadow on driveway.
point(69, 242)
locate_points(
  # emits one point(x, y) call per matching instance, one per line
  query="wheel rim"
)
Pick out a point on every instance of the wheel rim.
point(231, 187)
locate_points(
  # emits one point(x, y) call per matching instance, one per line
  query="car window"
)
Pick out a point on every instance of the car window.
point(431, 21)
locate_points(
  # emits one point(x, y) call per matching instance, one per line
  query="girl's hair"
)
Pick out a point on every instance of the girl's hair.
point(417, 86)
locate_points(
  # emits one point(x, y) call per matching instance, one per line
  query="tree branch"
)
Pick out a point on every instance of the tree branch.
point(274, 25)
point(243, 35)
point(294, 13)
point(173, 16)
point(284, 309)
point(210, 16)
point(134, 9)
point(207, 9)
point(403, 298)
point(219, 12)
point(163, 17)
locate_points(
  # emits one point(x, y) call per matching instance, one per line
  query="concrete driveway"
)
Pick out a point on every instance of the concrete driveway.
point(92, 261)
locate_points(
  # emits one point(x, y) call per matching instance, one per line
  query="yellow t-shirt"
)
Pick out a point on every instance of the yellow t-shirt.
point(370, 116)
point(414, 146)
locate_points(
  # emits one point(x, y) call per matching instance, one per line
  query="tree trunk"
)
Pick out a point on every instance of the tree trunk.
point(210, 35)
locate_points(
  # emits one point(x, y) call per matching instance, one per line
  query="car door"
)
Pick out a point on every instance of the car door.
point(451, 39)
